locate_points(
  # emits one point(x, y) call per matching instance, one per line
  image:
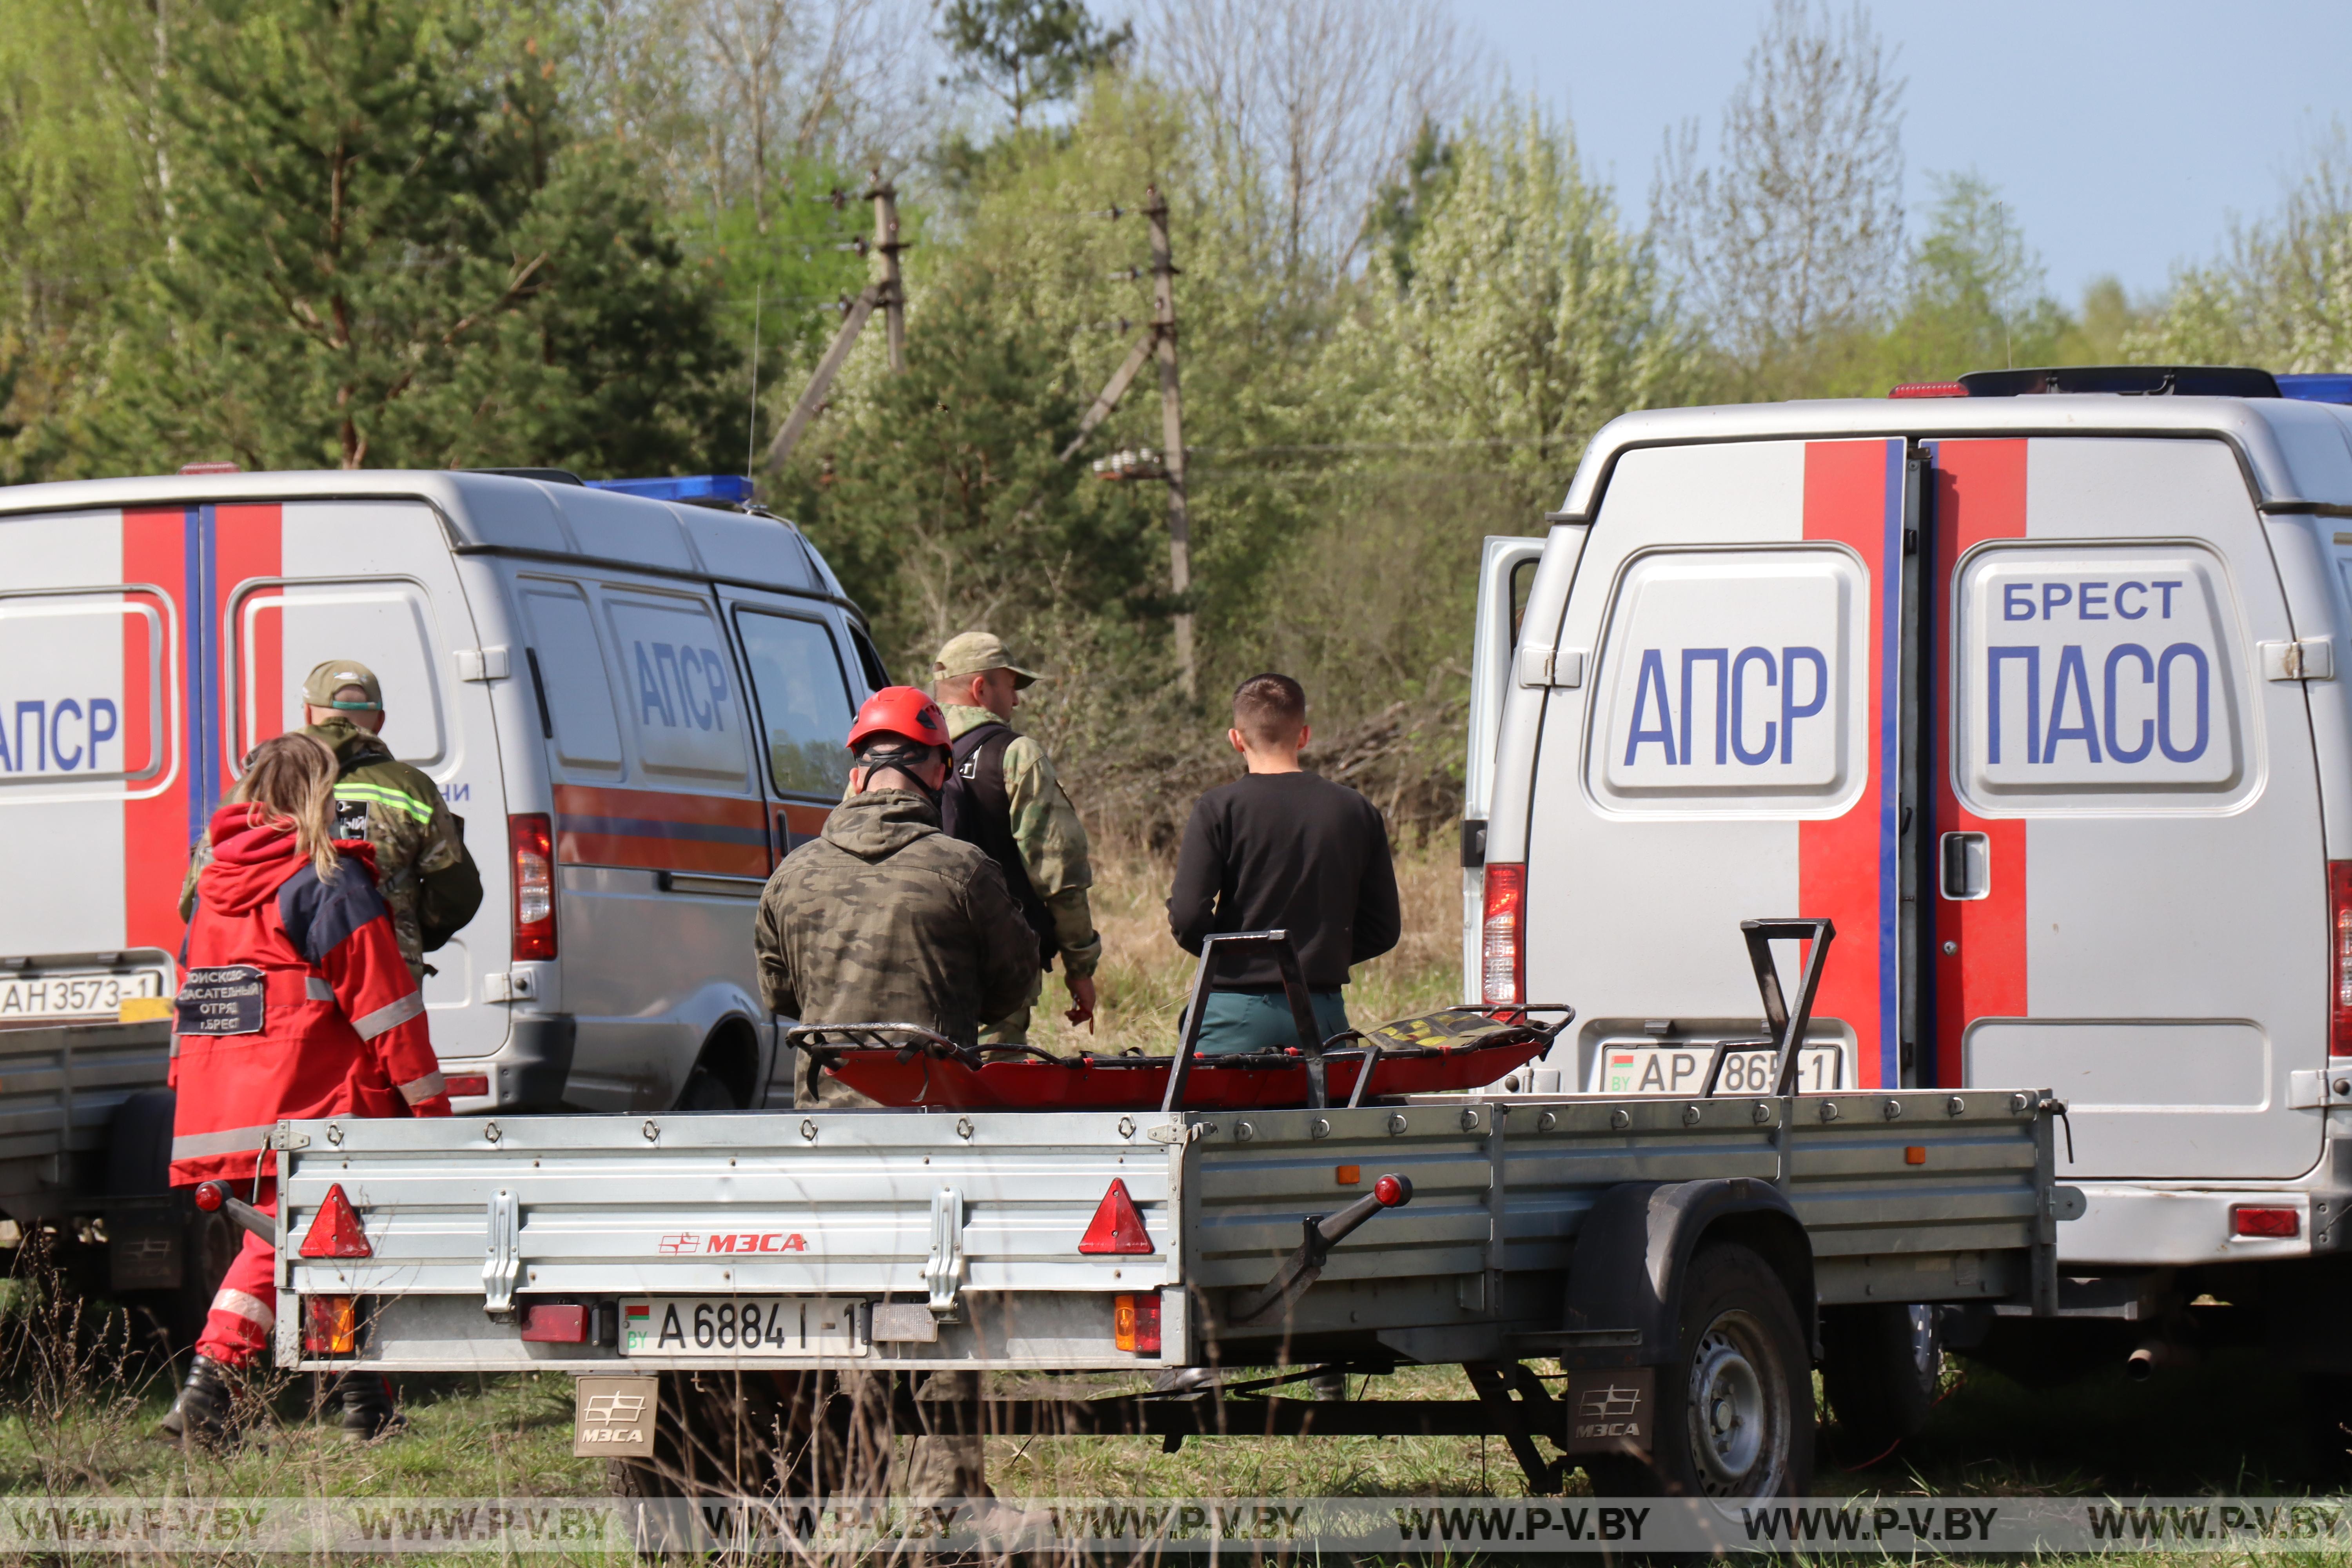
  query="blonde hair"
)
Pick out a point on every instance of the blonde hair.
point(289, 782)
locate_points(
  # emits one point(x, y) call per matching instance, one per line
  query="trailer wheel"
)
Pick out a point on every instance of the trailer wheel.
point(1735, 1408)
point(1882, 1366)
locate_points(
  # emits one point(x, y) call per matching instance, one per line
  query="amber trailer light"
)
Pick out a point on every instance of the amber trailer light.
point(534, 884)
point(1503, 948)
point(1135, 1323)
point(331, 1325)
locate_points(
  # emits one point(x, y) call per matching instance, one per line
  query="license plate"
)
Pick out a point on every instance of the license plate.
point(1682, 1069)
point(779, 1328)
point(85, 994)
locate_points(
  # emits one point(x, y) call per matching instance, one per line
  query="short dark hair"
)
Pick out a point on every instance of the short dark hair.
point(1269, 708)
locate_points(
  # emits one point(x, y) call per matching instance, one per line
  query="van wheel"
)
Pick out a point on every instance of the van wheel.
point(1735, 1406)
point(1882, 1368)
point(704, 1091)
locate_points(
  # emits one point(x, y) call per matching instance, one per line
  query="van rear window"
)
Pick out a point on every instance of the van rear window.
point(803, 700)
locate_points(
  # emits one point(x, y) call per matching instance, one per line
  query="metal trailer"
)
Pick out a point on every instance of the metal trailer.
point(84, 1157)
point(1676, 1256)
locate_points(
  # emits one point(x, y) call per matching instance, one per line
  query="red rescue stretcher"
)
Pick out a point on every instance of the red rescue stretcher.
point(908, 1065)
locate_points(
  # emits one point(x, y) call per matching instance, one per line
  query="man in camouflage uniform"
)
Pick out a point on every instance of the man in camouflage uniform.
point(423, 870)
point(1012, 806)
point(882, 918)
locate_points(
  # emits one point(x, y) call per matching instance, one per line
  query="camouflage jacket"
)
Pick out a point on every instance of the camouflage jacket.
point(884, 918)
point(1052, 840)
point(423, 870)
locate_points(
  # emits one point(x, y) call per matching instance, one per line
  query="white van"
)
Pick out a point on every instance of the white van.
point(636, 701)
point(2042, 699)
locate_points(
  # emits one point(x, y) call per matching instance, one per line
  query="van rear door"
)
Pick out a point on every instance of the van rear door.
point(2131, 905)
point(1719, 741)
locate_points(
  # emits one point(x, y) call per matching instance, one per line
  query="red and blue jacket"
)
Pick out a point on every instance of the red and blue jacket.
point(295, 1002)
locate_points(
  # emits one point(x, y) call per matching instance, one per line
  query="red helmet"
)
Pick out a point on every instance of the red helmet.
point(901, 710)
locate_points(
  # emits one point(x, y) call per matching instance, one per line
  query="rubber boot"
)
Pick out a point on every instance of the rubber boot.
point(205, 1412)
point(368, 1410)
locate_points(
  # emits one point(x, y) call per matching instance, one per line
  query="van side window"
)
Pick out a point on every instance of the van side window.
point(677, 685)
point(81, 689)
point(281, 630)
point(2097, 674)
point(804, 702)
point(571, 666)
point(1733, 682)
point(876, 678)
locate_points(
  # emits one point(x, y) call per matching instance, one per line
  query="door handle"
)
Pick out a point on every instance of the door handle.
point(1967, 865)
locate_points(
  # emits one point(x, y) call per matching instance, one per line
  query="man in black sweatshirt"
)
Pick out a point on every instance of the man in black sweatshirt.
point(1281, 849)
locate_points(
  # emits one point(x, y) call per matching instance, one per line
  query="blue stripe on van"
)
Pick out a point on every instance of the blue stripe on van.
point(200, 670)
point(1892, 682)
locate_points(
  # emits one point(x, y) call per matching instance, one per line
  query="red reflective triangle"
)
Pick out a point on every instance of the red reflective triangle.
point(336, 1232)
point(1117, 1226)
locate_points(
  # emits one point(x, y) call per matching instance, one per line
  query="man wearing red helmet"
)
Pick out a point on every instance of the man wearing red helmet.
point(884, 918)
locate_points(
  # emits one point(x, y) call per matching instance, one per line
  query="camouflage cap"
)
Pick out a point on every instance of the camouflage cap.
point(975, 653)
point(319, 690)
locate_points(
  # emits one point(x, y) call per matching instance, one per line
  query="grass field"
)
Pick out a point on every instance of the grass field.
point(81, 1423)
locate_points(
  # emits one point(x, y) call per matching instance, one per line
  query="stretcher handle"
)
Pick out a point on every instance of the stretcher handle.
point(1324, 1232)
point(1785, 1026)
point(214, 1197)
point(1240, 944)
point(928, 1041)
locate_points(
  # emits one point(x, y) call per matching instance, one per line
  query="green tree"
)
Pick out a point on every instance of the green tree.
point(1975, 297)
point(392, 252)
point(85, 167)
point(1024, 53)
point(940, 499)
point(2280, 296)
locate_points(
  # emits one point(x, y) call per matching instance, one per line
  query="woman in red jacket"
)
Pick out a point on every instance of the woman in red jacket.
point(295, 1003)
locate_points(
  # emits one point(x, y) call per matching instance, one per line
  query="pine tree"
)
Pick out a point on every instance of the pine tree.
point(394, 253)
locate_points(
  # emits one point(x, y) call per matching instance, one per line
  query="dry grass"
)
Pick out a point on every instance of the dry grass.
point(1146, 977)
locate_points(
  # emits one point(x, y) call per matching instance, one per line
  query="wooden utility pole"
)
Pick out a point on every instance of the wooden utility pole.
point(1159, 338)
point(890, 295)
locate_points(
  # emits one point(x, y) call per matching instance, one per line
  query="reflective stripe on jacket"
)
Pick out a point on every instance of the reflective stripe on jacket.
point(341, 1022)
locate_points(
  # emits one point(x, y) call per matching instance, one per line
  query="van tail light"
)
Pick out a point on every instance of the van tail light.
point(2339, 958)
point(1118, 1225)
point(1928, 389)
point(331, 1325)
point(1135, 1323)
point(467, 1086)
point(1503, 950)
point(534, 884)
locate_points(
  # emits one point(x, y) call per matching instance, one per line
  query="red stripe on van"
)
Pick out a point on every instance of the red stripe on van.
point(660, 831)
point(250, 548)
point(1980, 495)
point(155, 827)
point(1853, 495)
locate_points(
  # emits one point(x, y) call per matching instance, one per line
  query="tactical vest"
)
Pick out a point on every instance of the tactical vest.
point(975, 807)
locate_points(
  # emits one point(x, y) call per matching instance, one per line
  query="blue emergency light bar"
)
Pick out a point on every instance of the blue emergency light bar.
point(703, 487)
point(2328, 388)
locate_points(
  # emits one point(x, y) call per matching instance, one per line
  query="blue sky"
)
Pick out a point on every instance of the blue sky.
point(2122, 135)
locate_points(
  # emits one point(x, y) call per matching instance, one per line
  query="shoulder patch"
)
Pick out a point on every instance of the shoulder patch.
point(319, 917)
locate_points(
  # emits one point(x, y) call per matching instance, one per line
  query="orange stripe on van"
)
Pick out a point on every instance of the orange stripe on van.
point(660, 831)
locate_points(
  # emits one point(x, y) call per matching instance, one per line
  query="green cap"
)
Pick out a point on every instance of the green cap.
point(976, 653)
point(336, 674)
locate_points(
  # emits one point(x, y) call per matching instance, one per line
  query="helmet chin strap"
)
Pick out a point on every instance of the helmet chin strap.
point(904, 765)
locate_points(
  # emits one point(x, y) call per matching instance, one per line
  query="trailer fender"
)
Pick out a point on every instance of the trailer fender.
point(1635, 1246)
